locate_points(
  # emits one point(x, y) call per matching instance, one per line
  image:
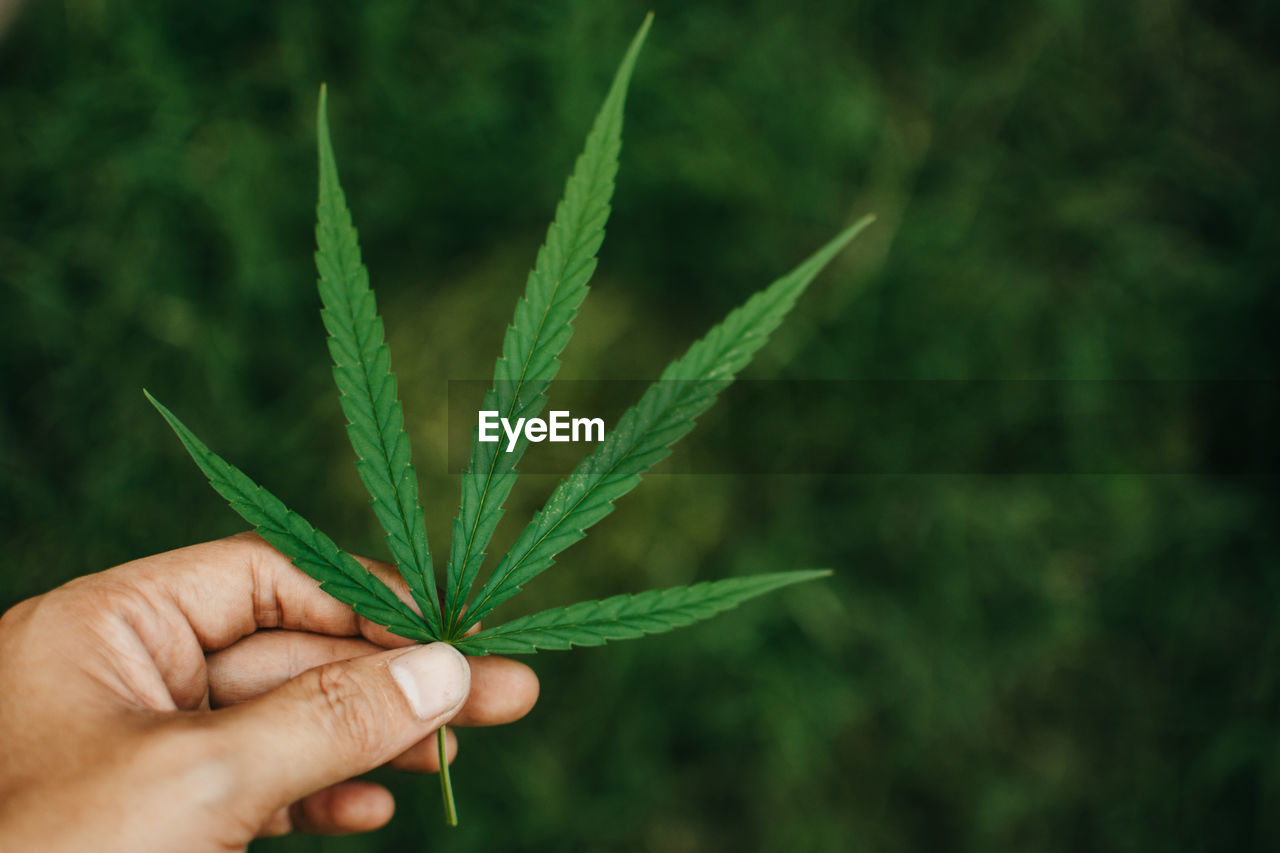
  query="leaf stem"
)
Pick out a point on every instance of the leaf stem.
point(446, 784)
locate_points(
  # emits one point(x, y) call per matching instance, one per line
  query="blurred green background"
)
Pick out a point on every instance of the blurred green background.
point(1035, 661)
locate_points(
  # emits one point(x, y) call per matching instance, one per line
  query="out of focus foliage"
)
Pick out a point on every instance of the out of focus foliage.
point(1031, 661)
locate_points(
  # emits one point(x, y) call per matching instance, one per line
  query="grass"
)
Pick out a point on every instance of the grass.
point(1082, 190)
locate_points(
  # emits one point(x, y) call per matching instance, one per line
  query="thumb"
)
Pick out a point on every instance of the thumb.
point(342, 719)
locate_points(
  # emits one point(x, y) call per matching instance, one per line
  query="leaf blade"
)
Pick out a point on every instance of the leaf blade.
point(539, 332)
point(646, 431)
point(627, 616)
point(340, 575)
point(366, 385)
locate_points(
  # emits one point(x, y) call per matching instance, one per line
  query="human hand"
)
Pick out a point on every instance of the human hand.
point(200, 698)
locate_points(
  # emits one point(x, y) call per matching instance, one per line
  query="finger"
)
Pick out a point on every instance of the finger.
point(502, 690)
point(278, 824)
point(424, 756)
point(263, 661)
point(339, 720)
point(229, 588)
point(355, 806)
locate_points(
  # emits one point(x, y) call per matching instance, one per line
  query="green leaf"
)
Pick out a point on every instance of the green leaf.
point(366, 385)
point(624, 617)
point(645, 433)
point(339, 574)
point(539, 332)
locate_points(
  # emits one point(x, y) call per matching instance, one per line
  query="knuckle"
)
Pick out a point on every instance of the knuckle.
point(247, 537)
point(17, 614)
point(250, 547)
point(347, 707)
point(52, 611)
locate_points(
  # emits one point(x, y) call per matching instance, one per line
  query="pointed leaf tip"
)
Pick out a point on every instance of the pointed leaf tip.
point(855, 229)
point(339, 574)
point(539, 332)
point(642, 32)
point(624, 617)
point(644, 434)
point(366, 384)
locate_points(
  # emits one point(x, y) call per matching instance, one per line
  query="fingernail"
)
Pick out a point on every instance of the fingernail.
point(434, 679)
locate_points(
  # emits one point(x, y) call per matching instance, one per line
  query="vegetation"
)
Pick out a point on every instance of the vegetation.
point(1073, 654)
point(529, 361)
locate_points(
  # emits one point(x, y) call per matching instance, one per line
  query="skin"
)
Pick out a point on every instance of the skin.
point(200, 698)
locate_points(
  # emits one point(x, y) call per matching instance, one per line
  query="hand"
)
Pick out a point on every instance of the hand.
point(200, 698)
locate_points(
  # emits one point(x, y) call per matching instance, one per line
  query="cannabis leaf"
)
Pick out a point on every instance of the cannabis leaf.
point(624, 617)
point(645, 433)
point(366, 385)
point(340, 574)
point(529, 361)
point(539, 332)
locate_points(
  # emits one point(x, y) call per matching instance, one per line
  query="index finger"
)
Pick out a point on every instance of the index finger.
point(229, 588)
